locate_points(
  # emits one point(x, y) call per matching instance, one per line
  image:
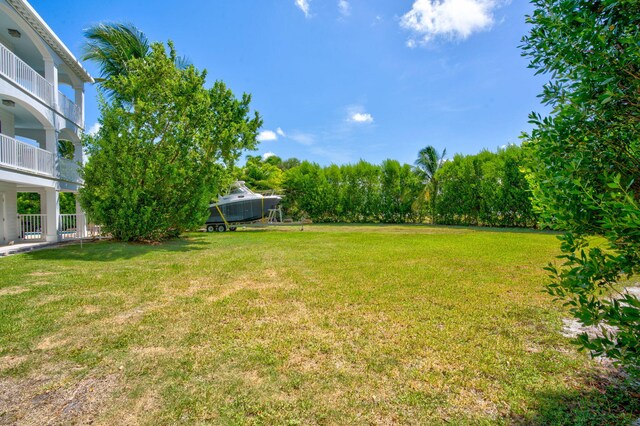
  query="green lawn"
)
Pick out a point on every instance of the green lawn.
point(332, 325)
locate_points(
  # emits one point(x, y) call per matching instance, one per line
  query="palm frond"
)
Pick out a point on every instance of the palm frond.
point(112, 45)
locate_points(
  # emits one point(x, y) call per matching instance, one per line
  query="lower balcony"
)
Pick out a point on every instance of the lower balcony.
point(21, 156)
point(33, 227)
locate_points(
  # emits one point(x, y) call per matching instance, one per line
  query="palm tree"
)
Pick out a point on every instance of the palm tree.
point(112, 45)
point(427, 165)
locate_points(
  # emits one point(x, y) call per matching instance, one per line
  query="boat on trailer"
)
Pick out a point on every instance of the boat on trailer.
point(240, 205)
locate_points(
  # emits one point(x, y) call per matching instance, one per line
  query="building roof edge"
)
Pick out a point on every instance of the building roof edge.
point(32, 17)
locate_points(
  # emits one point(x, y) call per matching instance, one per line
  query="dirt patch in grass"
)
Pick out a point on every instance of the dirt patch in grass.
point(42, 274)
point(9, 362)
point(151, 351)
point(10, 291)
point(246, 283)
point(49, 400)
point(51, 342)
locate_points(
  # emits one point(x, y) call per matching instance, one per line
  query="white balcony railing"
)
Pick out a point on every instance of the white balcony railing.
point(69, 109)
point(16, 70)
point(73, 227)
point(22, 156)
point(24, 76)
point(32, 226)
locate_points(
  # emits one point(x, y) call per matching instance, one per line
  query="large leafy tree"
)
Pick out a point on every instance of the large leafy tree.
point(585, 168)
point(427, 165)
point(159, 156)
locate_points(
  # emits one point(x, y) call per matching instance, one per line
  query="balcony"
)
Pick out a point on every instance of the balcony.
point(24, 157)
point(69, 109)
point(69, 170)
point(17, 71)
point(24, 76)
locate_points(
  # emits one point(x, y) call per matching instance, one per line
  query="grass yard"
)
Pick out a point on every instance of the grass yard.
point(333, 325)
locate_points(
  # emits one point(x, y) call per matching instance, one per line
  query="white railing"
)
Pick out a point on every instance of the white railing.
point(22, 156)
point(73, 227)
point(69, 170)
point(16, 70)
point(69, 109)
point(32, 226)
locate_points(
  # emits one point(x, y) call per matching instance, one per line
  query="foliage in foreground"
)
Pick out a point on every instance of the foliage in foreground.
point(157, 160)
point(585, 168)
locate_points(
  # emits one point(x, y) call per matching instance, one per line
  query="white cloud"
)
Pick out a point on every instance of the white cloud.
point(303, 138)
point(94, 129)
point(452, 19)
point(267, 155)
point(344, 7)
point(361, 117)
point(267, 135)
point(280, 132)
point(303, 5)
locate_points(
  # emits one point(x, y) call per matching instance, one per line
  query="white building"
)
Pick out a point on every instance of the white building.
point(36, 68)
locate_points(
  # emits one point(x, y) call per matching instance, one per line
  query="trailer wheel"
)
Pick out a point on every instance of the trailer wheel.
point(211, 228)
point(232, 228)
point(221, 228)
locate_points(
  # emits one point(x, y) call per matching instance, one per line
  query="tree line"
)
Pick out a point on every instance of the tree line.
point(485, 189)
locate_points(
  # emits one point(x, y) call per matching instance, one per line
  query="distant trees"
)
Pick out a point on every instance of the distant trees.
point(355, 193)
point(262, 174)
point(427, 165)
point(585, 161)
point(487, 189)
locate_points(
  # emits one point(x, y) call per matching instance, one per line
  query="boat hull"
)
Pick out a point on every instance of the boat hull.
point(242, 210)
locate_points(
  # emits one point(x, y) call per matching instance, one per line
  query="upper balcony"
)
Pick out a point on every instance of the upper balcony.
point(21, 74)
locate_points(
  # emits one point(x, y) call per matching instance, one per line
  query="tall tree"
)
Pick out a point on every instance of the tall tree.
point(585, 168)
point(427, 165)
point(158, 158)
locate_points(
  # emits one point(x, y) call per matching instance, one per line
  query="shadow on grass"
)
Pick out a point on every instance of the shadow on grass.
point(597, 400)
point(107, 251)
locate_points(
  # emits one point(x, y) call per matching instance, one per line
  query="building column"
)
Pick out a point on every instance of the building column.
point(51, 145)
point(50, 205)
point(79, 100)
point(78, 154)
point(81, 220)
point(51, 75)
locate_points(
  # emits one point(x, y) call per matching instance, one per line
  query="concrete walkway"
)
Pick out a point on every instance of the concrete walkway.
point(23, 247)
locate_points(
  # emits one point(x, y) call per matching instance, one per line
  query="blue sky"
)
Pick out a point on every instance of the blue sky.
point(337, 81)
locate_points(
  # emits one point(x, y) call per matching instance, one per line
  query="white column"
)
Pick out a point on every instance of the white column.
point(79, 100)
point(81, 220)
point(51, 75)
point(77, 152)
point(51, 140)
point(50, 205)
